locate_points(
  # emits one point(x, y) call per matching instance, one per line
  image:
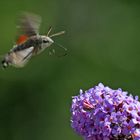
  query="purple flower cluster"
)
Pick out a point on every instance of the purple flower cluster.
point(102, 113)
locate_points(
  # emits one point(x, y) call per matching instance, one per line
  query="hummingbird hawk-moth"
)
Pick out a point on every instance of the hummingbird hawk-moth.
point(29, 42)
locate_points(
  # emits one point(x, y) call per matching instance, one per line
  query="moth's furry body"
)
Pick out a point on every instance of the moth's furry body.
point(29, 43)
point(20, 54)
point(39, 42)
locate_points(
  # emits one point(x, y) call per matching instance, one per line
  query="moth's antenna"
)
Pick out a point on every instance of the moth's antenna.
point(57, 34)
point(50, 29)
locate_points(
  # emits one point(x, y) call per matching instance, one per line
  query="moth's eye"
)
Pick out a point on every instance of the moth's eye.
point(45, 41)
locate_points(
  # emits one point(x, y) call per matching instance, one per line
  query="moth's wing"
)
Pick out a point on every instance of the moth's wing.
point(28, 24)
point(20, 58)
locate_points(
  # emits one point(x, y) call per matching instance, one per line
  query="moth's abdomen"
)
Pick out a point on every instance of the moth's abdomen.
point(4, 64)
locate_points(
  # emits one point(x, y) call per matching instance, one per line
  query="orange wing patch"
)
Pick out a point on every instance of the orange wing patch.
point(21, 39)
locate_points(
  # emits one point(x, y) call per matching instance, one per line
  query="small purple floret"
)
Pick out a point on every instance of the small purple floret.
point(102, 113)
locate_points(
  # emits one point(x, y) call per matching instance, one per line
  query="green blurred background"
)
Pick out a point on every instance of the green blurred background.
point(103, 42)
